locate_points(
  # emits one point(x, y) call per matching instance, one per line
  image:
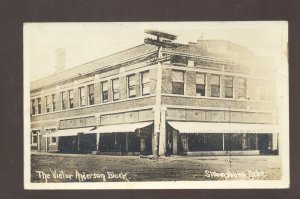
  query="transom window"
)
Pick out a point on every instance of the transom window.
point(104, 86)
point(177, 82)
point(115, 89)
point(228, 82)
point(131, 85)
point(215, 85)
point(145, 81)
point(200, 84)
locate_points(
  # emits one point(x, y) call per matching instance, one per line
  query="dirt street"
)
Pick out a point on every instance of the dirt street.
point(96, 168)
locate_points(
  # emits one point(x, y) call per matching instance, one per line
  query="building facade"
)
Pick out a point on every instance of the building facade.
point(205, 98)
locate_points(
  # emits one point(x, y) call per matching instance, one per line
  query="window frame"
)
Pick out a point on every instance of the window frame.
point(131, 87)
point(226, 87)
point(34, 133)
point(215, 86)
point(63, 100)
point(53, 102)
point(82, 96)
point(70, 100)
point(182, 84)
point(104, 93)
point(47, 104)
point(39, 101)
point(204, 85)
point(114, 90)
point(91, 96)
point(244, 87)
point(145, 84)
point(33, 108)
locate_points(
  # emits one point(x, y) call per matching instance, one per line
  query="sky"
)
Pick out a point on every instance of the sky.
point(86, 42)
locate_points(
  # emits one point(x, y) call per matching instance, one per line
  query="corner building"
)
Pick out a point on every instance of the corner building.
point(206, 98)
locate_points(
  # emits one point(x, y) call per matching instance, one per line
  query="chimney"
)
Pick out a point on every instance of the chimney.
point(60, 59)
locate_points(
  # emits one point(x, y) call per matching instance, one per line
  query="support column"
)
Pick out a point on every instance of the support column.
point(223, 139)
point(175, 138)
point(97, 141)
point(126, 142)
point(162, 132)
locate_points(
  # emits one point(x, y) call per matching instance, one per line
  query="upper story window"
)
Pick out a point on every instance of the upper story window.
point(177, 82)
point(33, 107)
point(131, 83)
point(104, 86)
point(47, 101)
point(91, 94)
point(200, 84)
point(242, 88)
point(71, 99)
point(82, 96)
point(115, 89)
point(215, 85)
point(63, 100)
point(145, 81)
point(39, 105)
point(53, 103)
point(261, 92)
point(228, 83)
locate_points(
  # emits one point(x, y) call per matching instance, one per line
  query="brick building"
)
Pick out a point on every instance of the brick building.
point(210, 97)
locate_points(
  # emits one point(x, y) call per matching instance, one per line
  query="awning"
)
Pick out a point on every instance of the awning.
point(122, 128)
point(215, 127)
point(68, 132)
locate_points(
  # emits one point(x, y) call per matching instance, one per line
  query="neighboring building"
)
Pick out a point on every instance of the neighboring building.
point(210, 97)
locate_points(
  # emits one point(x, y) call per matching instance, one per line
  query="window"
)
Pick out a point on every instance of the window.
point(115, 89)
point(71, 99)
point(242, 88)
point(53, 103)
point(215, 85)
point(228, 87)
point(47, 99)
point(131, 86)
point(82, 96)
point(178, 82)
point(104, 86)
point(91, 94)
point(200, 84)
point(63, 100)
point(34, 138)
point(33, 107)
point(145, 81)
point(39, 106)
point(261, 92)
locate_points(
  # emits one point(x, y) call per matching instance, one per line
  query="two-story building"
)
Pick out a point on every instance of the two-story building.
point(212, 97)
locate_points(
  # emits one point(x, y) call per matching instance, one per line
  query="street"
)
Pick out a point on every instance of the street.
point(48, 167)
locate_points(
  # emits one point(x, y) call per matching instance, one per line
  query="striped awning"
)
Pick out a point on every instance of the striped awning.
point(120, 128)
point(216, 127)
point(69, 132)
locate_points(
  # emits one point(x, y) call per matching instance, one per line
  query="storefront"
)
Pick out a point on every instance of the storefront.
point(209, 138)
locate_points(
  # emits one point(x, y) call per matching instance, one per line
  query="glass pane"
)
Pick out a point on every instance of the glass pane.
point(228, 81)
point(104, 86)
point(200, 78)
point(228, 92)
point(215, 91)
point(145, 77)
point(177, 76)
point(200, 89)
point(178, 88)
point(215, 79)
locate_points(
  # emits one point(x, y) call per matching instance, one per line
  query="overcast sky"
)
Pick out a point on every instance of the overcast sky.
point(85, 42)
